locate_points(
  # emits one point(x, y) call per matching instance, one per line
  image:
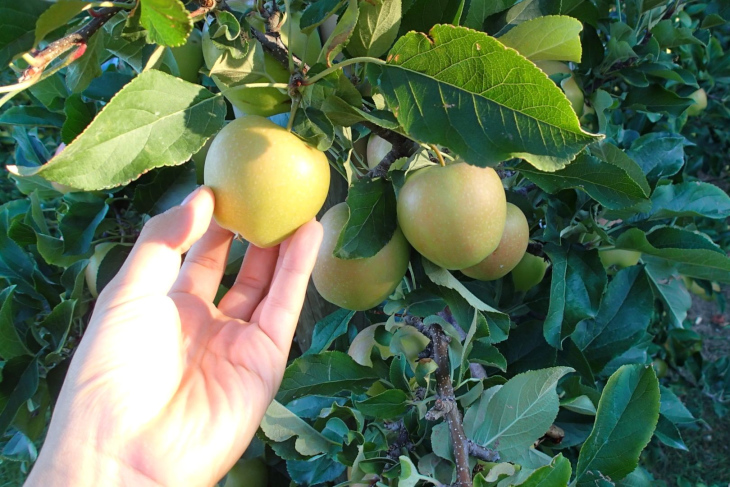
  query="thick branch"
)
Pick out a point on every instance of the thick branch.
point(445, 390)
point(41, 59)
point(273, 44)
point(481, 452)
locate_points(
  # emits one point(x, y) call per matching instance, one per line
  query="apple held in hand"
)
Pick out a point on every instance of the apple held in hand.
point(267, 181)
point(453, 215)
point(92, 268)
point(511, 248)
point(357, 284)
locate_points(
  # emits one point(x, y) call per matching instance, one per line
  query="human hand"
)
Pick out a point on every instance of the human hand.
point(165, 388)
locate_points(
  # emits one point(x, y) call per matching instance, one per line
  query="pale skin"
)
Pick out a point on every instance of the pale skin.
point(167, 389)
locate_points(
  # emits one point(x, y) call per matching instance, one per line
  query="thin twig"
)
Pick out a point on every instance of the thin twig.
point(402, 147)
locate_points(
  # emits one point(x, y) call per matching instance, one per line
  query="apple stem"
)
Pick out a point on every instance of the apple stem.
point(341, 65)
point(439, 156)
point(292, 113)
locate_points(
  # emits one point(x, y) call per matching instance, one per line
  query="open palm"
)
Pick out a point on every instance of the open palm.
point(165, 386)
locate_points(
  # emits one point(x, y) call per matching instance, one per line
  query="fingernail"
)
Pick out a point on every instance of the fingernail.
point(190, 196)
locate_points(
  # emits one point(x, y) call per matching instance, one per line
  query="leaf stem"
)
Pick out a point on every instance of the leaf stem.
point(439, 156)
point(341, 65)
point(280, 86)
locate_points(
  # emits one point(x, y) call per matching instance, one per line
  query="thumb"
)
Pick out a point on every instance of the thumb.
point(154, 263)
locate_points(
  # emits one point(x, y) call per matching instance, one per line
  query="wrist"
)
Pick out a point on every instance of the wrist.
point(84, 468)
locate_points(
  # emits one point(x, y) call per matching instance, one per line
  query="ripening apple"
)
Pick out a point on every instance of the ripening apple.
point(619, 257)
point(267, 181)
point(92, 268)
point(453, 215)
point(569, 85)
point(511, 248)
point(529, 272)
point(378, 148)
point(699, 98)
point(693, 287)
point(660, 367)
point(248, 473)
point(357, 284)
point(189, 56)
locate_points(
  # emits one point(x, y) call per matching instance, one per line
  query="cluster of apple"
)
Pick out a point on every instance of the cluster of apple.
point(268, 182)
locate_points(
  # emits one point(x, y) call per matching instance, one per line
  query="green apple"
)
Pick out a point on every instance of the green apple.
point(569, 85)
point(378, 148)
point(453, 215)
point(699, 98)
point(529, 272)
point(248, 473)
point(509, 252)
point(660, 367)
point(189, 57)
point(619, 257)
point(357, 284)
point(92, 269)
point(267, 181)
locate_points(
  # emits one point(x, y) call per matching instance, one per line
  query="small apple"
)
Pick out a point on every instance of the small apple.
point(660, 367)
point(189, 57)
point(378, 148)
point(92, 268)
point(267, 181)
point(700, 102)
point(569, 85)
point(453, 215)
point(357, 284)
point(511, 248)
point(248, 473)
point(619, 257)
point(529, 272)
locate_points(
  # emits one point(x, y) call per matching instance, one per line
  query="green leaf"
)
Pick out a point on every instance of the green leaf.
point(17, 27)
point(328, 330)
point(580, 405)
point(386, 405)
point(314, 471)
point(608, 152)
point(549, 38)
point(672, 292)
point(623, 317)
point(57, 15)
point(521, 411)
point(669, 434)
point(118, 145)
point(578, 281)
point(343, 113)
point(672, 408)
point(557, 474)
point(11, 344)
point(611, 185)
point(479, 10)
point(670, 36)
point(372, 220)
point(317, 12)
point(659, 154)
point(78, 225)
point(19, 383)
point(341, 35)
point(627, 414)
point(31, 116)
point(312, 125)
point(464, 90)
point(82, 71)
point(51, 92)
point(58, 323)
point(656, 98)
point(424, 14)
point(168, 187)
point(280, 424)
point(110, 265)
point(322, 374)
point(487, 354)
point(376, 29)
point(693, 199)
point(167, 22)
point(695, 254)
point(79, 115)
